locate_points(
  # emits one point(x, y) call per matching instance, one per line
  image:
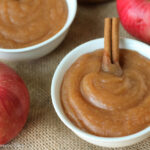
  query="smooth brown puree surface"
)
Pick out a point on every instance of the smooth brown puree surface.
point(104, 104)
point(28, 22)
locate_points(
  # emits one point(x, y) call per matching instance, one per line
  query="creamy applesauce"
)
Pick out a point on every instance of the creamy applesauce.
point(27, 22)
point(104, 104)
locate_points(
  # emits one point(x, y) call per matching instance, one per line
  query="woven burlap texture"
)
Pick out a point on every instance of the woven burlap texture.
point(44, 130)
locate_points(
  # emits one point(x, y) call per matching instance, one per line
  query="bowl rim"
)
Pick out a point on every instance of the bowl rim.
point(65, 119)
point(38, 45)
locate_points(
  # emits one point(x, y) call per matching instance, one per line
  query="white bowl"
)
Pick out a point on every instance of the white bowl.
point(57, 81)
point(43, 48)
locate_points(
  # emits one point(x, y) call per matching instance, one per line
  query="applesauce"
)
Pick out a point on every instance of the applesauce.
point(104, 104)
point(28, 22)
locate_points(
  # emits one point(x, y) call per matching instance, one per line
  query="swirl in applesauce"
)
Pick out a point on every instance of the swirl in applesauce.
point(27, 22)
point(104, 104)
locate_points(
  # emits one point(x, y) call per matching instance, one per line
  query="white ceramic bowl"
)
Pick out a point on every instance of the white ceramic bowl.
point(43, 48)
point(57, 81)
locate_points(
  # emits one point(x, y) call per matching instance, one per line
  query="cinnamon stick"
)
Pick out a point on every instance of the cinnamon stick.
point(107, 39)
point(115, 40)
point(110, 62)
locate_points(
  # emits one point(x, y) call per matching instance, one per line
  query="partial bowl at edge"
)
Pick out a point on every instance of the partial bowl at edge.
point(45, 47)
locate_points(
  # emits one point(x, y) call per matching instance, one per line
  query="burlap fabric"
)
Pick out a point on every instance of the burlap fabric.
point(44, 130)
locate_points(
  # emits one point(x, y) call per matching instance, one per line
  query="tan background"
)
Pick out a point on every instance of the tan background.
point(44, 130)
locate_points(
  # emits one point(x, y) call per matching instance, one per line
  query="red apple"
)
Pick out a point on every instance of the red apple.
point(135, 17)
point(14, 104)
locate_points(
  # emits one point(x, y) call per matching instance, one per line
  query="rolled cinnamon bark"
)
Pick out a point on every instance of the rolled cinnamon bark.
point(107, 56)
point(110, 62)
point(115, 40)
point(107, 40)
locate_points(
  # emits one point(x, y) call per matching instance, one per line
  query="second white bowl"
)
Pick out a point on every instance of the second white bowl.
point(65, 64)
point(43, 48)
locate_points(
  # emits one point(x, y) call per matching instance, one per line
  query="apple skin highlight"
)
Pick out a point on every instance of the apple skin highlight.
point(14, 104)
point(135, 18)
